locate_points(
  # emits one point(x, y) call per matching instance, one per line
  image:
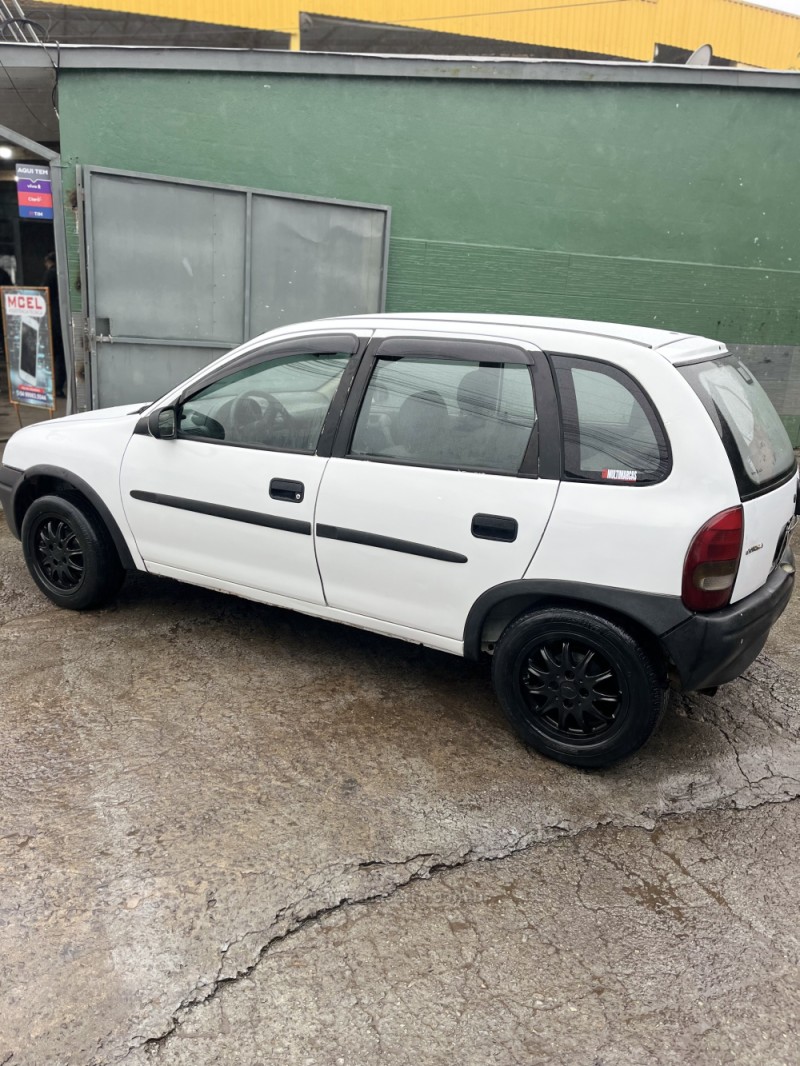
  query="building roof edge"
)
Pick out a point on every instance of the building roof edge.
point(342, 64)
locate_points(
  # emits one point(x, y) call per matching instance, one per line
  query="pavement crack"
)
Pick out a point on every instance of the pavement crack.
point(705, 711)
point(294, 918)
point(735, 750)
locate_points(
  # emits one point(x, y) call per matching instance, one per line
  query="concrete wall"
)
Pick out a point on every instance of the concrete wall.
point(675, 206)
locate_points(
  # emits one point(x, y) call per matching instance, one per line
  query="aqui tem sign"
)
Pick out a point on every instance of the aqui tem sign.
point(34, 192)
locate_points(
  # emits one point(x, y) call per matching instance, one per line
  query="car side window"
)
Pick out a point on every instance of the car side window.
point(278, 404)
point(610, 430)
point(446, 413)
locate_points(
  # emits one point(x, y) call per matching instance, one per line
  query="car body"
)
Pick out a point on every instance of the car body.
point(605, 509)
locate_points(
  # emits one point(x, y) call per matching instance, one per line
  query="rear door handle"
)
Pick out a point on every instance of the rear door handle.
point(293, 491)
point(494, 527)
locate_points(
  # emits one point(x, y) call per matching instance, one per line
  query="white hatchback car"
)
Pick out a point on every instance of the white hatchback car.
point(604, 509)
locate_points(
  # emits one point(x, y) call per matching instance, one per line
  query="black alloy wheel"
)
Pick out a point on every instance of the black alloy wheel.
point(69, 552)
point(58, 554)
point(577, 687)
point(571, 688)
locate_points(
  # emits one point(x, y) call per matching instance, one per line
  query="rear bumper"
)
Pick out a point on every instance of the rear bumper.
point(9, 479)
point(711, 649)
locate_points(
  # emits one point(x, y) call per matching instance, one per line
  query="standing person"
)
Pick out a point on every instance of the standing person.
point(50, 280)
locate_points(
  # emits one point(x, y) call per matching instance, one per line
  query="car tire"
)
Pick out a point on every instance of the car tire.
point(69, 552)
point(577, 687)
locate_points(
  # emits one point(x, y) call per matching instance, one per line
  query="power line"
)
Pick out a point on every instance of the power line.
point(23, 101)
point(34, 27)
point(15, 20)
point(509, 11)
point(474, 14)
point(13, 17)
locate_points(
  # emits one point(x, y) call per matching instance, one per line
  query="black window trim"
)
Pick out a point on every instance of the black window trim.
point(306, 344)
point(491, 350)
point(639, 393)
point(770, 486)
point(417, 347)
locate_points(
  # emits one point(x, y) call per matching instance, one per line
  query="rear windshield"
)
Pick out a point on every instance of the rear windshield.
point(758, 446)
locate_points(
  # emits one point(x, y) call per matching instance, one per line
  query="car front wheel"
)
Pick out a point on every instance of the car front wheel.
point(577, 687)
point(69, 552)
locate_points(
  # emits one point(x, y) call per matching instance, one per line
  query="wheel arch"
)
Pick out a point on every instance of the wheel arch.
point(45, 480)
point(646, 616)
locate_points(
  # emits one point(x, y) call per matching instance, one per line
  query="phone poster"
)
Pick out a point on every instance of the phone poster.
point(29, 353)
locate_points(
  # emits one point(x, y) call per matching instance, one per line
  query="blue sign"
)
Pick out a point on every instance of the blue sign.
point(35, 212)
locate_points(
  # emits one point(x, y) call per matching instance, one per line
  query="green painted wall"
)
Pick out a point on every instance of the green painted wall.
point(667, 206)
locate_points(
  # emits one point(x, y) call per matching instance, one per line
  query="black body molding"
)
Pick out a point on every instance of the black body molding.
point(218, 510)
point(392, 544)
point(657, 614)
point(706, 649)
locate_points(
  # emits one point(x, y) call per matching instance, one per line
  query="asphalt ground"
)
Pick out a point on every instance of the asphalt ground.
point(230, 834)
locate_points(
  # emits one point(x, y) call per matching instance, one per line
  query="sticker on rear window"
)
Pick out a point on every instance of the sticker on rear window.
point(619, 475)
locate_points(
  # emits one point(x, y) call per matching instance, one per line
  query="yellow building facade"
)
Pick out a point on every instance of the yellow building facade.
point(738, 32)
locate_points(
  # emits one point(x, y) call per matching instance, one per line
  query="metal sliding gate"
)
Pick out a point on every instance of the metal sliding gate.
point(178, 272)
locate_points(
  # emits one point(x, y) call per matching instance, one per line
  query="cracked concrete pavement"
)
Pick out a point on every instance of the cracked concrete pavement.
point(615, 946)
point(230, 834)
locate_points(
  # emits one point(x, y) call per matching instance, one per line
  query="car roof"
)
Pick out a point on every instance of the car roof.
point(571, 335)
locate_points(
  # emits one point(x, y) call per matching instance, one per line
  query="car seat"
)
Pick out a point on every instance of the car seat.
point(420, 427)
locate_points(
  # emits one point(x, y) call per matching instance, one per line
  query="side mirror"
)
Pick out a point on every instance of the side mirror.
point(163, 424)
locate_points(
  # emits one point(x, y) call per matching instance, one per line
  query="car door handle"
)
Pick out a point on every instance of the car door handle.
point(293, 491)
point(494, 527)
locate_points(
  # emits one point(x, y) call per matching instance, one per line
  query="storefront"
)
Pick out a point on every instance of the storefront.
point(37, 368)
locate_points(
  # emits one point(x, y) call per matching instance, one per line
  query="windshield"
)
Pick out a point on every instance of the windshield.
point(757, 444)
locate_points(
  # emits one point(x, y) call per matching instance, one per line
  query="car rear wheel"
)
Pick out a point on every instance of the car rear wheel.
point(577, 687)
point(69, 552)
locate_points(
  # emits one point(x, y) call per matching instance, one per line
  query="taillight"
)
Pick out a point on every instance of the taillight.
point(713, 561)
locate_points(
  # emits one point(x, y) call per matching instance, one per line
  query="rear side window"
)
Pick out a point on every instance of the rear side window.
point(447, 413)
point(757, 444)
point(610, 432)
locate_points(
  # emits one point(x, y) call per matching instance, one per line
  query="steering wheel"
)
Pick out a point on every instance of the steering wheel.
point(246, 409)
